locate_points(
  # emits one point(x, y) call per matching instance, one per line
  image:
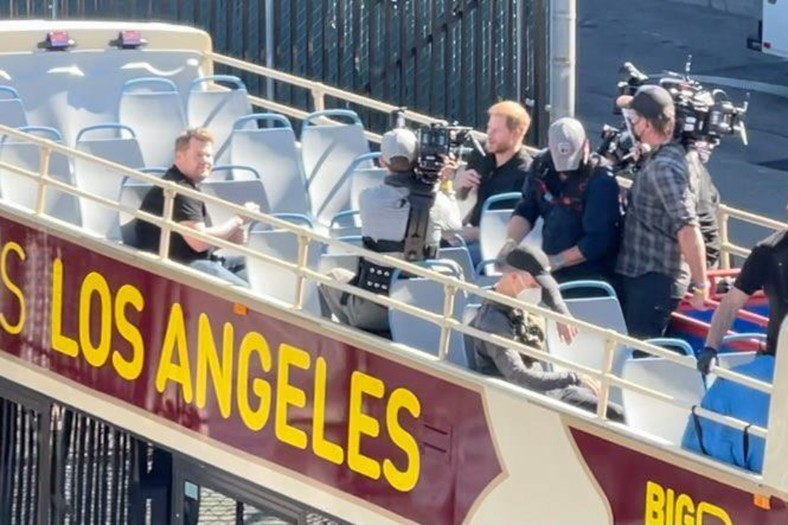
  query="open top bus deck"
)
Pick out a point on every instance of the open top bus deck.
point(134, 389)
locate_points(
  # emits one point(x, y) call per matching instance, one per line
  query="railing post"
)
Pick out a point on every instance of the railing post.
point(448, 313)
point(166, 233)
point(319, 98)
point(46, 155)
point(722, 219)
point(604, 383)
point(303, 255)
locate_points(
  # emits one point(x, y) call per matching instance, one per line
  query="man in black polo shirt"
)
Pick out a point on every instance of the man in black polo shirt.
point(502, 170)
point(193, 163)
point(766, 268)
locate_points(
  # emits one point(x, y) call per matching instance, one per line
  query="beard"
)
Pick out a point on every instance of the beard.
point(496, 148)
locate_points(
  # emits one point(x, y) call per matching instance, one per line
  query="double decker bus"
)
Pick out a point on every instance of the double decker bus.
point(136, 390)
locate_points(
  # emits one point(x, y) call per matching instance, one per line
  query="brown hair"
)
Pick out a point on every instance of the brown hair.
point(516, 115)
point(201, 134)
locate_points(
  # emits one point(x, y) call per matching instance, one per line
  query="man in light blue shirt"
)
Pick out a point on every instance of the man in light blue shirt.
point(725, 443)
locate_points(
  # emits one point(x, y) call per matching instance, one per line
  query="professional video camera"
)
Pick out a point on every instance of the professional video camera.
point(436, 142)
point(702, 115)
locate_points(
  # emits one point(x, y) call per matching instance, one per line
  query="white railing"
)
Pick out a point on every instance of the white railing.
point(318, 92)
point(728, 248)
point(449, 325)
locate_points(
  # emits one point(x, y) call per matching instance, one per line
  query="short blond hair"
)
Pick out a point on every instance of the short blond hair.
point(516, 115)
point(201, 134)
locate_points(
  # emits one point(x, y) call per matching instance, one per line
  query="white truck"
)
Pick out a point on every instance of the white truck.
point(773, 31)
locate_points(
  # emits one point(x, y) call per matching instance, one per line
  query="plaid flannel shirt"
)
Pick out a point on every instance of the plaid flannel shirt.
point(662, 201)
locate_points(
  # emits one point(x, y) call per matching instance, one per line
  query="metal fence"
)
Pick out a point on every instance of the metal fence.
point(62, 467)
point(447, 58)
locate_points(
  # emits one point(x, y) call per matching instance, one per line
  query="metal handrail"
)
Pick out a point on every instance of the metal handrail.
point(445, 320)
point(319, 91)
point(726, 213)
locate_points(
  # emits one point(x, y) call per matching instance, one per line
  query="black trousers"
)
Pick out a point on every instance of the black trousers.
point(647, 302)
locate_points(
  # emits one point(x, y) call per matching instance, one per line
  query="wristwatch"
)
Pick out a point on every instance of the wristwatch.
point(698, 288)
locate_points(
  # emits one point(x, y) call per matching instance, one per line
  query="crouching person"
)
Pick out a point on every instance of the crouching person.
point(527, 277)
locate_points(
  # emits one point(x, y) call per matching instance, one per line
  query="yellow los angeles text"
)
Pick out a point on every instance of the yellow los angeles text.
point(12, 325)
point(239, 371)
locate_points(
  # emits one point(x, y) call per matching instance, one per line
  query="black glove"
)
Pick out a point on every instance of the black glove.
point(705, 357)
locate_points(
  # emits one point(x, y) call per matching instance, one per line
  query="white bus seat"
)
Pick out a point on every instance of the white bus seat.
point(234, 191)
point(218, 110)
point(427, 294)
point(153, 108)
point(653, 416)
point(672, 343)
point(12, 109)
point(131, 194)
point(106, 182)
point(493, 223)
point(730, 360)
point(462, 257)
point(271, 280)
point(23, 191)
point(330, 152)
point(735, 358)
point(356, 240)
point(348, 222)
point(274, 154)
point(467, 316)
point(345, 223)
point(71, 90)
point(329, 261)
point(589, 348)
point(233, 172)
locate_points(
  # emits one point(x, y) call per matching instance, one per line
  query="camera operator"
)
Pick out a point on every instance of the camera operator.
point(661, 231)
point(502, 170)
point(404, 217)
point(577, 196)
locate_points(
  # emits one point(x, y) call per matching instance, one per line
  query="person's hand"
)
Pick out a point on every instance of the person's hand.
point(699, 296)
point(590, 383)
point(566, 333)
point(238, 235)
point(468, 179)
point(449, 169)
point(253, 207)
point(705, 358)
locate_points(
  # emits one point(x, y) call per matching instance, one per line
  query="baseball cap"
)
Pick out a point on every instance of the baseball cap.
point(399, 143)
point(534, 261)
point(653, 102)
point(566, 138)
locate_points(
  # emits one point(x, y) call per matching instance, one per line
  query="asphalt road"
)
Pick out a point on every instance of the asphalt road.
point(658, 36)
